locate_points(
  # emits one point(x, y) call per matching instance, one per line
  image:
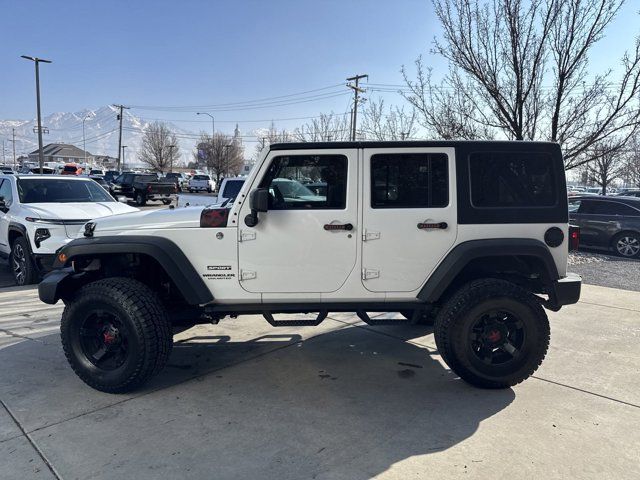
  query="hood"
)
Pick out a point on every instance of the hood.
point(188, 217)
point(80, 212)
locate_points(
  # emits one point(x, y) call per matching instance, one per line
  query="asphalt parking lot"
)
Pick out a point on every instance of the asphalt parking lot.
point(338, 401)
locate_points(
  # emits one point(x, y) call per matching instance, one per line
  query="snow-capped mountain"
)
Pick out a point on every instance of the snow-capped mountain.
point(101, 133)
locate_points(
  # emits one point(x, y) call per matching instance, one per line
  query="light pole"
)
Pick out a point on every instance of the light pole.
point(37, 61)
point(171, 147)
point(213, 123)
point(84, 140)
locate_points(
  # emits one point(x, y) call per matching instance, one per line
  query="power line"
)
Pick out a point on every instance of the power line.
point(204, 107)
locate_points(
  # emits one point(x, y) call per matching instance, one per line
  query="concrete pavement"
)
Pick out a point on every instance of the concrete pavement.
point(338, 401)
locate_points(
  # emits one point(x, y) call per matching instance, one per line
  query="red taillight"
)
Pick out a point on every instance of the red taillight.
point(214, 217)
point(574, 237)
point(149, 188)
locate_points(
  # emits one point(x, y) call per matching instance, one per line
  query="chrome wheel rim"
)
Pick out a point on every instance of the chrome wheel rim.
point(19, 264)
point(628, 246)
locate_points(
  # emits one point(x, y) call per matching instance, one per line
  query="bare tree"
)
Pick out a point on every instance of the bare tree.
point(519, 68)
point(607, 165)
point(326, 128)
point(160, 149)
point(380, 123)
point(222, 155)
point(631, 173)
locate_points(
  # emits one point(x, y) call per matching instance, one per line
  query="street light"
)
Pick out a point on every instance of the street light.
point(84, 140)
point(213, 123)
point(37, 61)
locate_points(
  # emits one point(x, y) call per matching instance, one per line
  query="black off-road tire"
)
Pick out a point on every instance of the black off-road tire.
point(140, 200)
point(143, 322)
point(22, 265)
point(455, 338)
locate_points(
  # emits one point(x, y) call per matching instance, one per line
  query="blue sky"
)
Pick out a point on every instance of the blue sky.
point(197, 53)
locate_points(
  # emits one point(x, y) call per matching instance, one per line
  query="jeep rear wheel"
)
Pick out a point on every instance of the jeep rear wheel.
point(492, 333)
point(116, 334)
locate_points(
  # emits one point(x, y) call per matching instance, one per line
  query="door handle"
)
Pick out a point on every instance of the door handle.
point(338, 226)
point(432, 226)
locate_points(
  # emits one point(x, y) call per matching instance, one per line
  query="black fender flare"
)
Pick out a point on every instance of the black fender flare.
point(465, 252)
point(22, 230)
point(164, 251)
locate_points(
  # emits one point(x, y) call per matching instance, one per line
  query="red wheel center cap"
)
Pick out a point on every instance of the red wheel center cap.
point(494, 336)
point(108, 337)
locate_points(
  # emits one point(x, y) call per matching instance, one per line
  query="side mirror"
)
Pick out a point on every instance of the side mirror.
point(3, 205)
point(259, 202)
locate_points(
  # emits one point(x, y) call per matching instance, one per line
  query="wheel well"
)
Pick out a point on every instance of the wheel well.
point(13, 234)
point(138, 266)
point(527, 271)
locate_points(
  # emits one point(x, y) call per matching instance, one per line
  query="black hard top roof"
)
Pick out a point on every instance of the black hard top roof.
point(633, 201)
point(482, 144)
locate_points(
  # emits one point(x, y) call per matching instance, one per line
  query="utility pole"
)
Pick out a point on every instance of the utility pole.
point(123, 147)
point(120, 117)
point(356, 92)
point(171, 147)
point(37, 61)
point(13, 132)
point(84, 140)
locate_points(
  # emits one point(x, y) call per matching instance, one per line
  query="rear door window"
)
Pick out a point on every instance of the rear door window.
point(612, 208)
point(411, 180)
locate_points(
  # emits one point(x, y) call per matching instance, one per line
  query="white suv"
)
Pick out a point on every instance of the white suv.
point(40, 214)
point(471, 235)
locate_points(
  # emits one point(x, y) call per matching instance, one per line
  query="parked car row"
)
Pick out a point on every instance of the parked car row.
point(41, 213)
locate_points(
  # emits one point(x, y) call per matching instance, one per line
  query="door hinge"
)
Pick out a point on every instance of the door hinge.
point(368, 274)
point(366, 236)
point(247, 275)
point(246, 236)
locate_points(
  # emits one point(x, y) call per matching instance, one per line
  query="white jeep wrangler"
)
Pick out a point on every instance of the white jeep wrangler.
point(471, 235)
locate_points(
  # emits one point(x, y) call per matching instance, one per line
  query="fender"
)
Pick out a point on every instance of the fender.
point(164, 251)
point(22, 230)
point(465, 252)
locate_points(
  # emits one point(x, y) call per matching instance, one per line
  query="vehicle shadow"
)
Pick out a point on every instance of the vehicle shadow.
point(348, 403)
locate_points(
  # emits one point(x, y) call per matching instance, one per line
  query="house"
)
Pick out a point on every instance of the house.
point(105, 161)
point(62, 153)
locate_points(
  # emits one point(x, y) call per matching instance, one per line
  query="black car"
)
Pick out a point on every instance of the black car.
point(111, 175)
point(629, 193)
point(608, 222)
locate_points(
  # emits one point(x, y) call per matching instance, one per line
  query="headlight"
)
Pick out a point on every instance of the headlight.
point(41, 235)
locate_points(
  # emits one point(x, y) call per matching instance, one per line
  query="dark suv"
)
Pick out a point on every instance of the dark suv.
point(609, 222)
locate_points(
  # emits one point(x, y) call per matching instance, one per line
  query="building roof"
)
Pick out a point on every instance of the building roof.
point(62, 150)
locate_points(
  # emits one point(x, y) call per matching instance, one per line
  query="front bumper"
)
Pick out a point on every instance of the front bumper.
point(566, 291)
point(54, 284)
point(44, 262)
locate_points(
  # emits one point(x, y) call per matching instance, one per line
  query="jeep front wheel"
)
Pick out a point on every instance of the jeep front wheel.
point(116, 334)
point(492, 333)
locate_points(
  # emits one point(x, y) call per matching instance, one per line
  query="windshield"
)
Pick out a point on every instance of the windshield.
point(70, 168)
point(41, 190)
point(145, 178)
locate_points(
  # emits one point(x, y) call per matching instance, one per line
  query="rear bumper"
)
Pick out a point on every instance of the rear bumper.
point(162, 196)
point(566, 291)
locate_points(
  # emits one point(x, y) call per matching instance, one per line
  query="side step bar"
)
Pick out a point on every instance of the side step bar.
point(362, 315)
point(295, 323)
